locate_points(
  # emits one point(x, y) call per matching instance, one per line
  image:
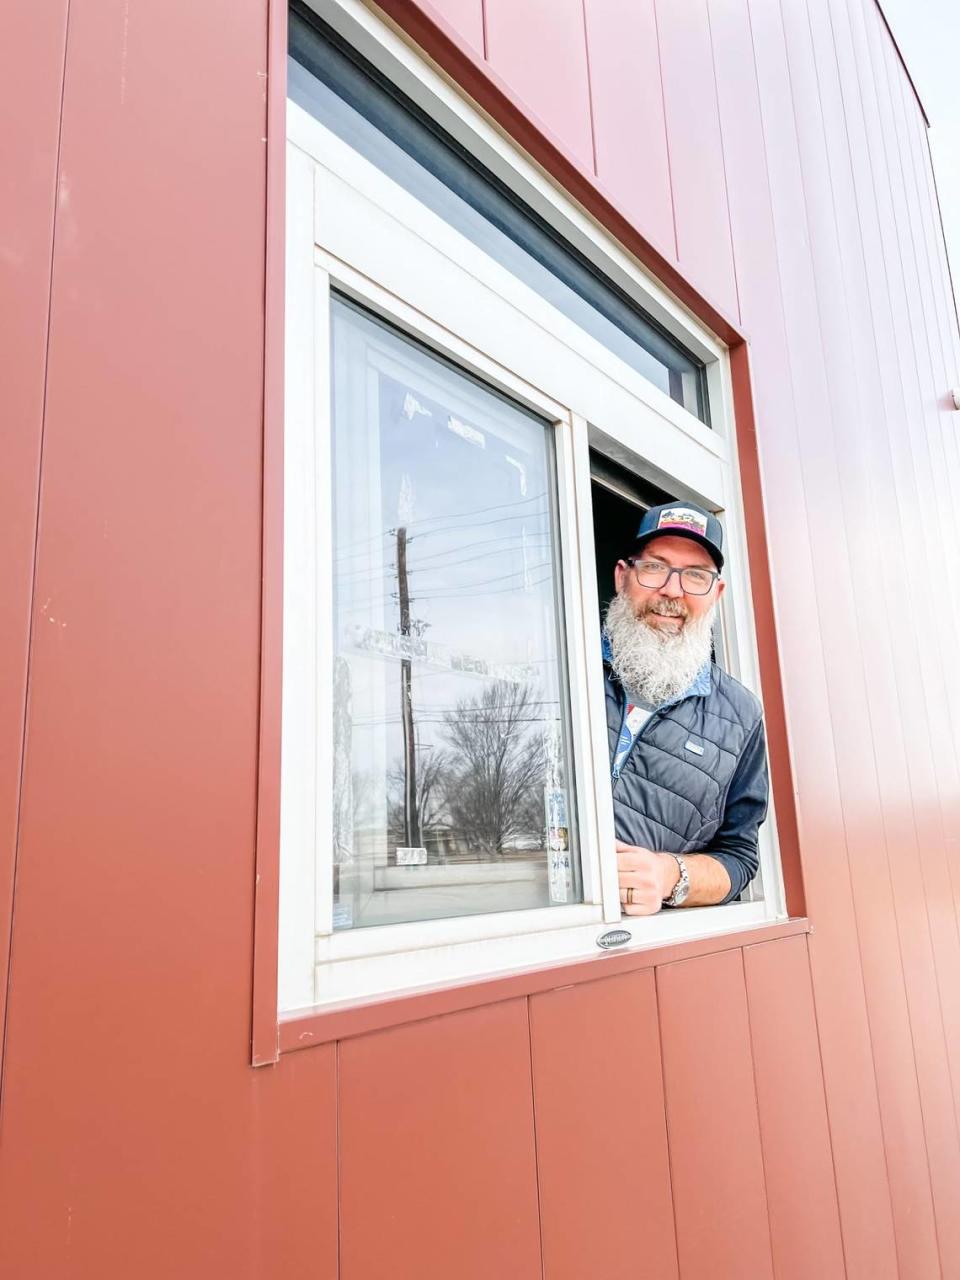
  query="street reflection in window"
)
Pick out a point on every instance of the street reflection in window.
point(452, 780)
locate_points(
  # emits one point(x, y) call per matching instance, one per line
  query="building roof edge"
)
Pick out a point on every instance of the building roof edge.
point(903, 61)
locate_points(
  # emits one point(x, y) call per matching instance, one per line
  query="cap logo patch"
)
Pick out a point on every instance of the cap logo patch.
point(683, 518)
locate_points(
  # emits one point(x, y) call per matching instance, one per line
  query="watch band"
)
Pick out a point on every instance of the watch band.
point(682, 887)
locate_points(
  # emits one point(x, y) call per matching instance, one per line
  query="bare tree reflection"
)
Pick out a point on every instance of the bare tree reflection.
point(495, 768)
point(431, 796)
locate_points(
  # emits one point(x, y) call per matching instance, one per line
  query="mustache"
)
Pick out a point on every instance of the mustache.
point(668, 607)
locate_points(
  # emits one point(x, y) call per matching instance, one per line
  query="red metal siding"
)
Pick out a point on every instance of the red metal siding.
point(133, 1130)
point(466, 19)
point(837, 453)
point(554, 82)
point(31, 95)
point(605, 1195)
point(797, 1161)
point(776, 163)
point(719, 1198)
point(626, 94)
point(438, 1169)
point(696, 151)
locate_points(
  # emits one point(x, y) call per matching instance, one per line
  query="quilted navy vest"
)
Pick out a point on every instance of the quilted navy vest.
point(672, 787)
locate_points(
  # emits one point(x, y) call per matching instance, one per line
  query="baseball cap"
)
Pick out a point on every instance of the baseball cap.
point(683, 520)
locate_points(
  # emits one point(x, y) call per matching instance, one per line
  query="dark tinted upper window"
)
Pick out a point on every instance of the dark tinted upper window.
point(349, 97)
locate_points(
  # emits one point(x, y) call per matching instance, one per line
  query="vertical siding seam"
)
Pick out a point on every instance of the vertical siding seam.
point(586, 53)
point(723, 163)
point(5, 1010)
point(870, 717)
point(930, 937)
point(266, 940)
point(666, 1116)
point(666, 135)
point(536, 1145)
point(756, 1100)
point(823, 1094)
point(339, 1160)
point(843, 822)
point(486, 38)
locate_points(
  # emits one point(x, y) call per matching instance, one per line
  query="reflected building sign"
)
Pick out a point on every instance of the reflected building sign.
point(392, 644)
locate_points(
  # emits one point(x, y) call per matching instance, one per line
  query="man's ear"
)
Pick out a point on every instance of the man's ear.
point(621, 569)
point(721, 587)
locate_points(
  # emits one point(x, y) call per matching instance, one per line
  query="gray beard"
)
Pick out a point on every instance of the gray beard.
point(656, 666)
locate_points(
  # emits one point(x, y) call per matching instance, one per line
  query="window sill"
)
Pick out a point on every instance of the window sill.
point(304, 1028)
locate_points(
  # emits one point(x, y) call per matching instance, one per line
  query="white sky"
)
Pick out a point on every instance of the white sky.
point(928, 33)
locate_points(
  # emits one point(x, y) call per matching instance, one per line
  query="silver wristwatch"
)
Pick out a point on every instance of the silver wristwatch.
point(682, 887)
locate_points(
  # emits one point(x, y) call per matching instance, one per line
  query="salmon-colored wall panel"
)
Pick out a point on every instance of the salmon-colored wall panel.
point(605, 1201)
point(715, 1156)
point(696, 150)
point(465, 17)
point(812, 575)
point(628, 121)
point(136, 1139)
point(438, 1162)
point(766, 429)
point(864, 697)
point(797, 1160)
point(911, 1056)
point(539, 48)
point(129, 1140)
point(30, 95)
point(294, 1143)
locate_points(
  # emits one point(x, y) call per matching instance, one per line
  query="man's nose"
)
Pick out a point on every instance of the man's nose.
point(672, 586)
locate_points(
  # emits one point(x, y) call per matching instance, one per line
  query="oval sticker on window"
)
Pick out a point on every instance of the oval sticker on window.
point(614, 938)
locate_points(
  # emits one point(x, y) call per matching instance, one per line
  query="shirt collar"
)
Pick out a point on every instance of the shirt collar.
point(699, 688)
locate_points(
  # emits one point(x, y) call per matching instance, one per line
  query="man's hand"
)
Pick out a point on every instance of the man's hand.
point(651, 876)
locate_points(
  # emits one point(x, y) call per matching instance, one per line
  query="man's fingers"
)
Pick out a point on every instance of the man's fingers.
point(639, 908)
point(639, 881)
point(643, 878)
point(639, 893)
point(633, 859)
point(640, 878)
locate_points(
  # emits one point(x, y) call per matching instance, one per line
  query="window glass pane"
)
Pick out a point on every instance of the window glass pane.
point(352, 103)
point(452, 783)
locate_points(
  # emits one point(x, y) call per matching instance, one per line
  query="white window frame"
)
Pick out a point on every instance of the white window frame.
point(351, 227)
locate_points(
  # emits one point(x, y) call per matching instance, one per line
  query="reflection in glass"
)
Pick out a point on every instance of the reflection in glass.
point(451, 765)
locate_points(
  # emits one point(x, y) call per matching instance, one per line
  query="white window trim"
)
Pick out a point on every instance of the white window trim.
point(345, 220)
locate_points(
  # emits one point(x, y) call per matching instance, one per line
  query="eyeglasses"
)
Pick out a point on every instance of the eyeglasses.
point(654, 574)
